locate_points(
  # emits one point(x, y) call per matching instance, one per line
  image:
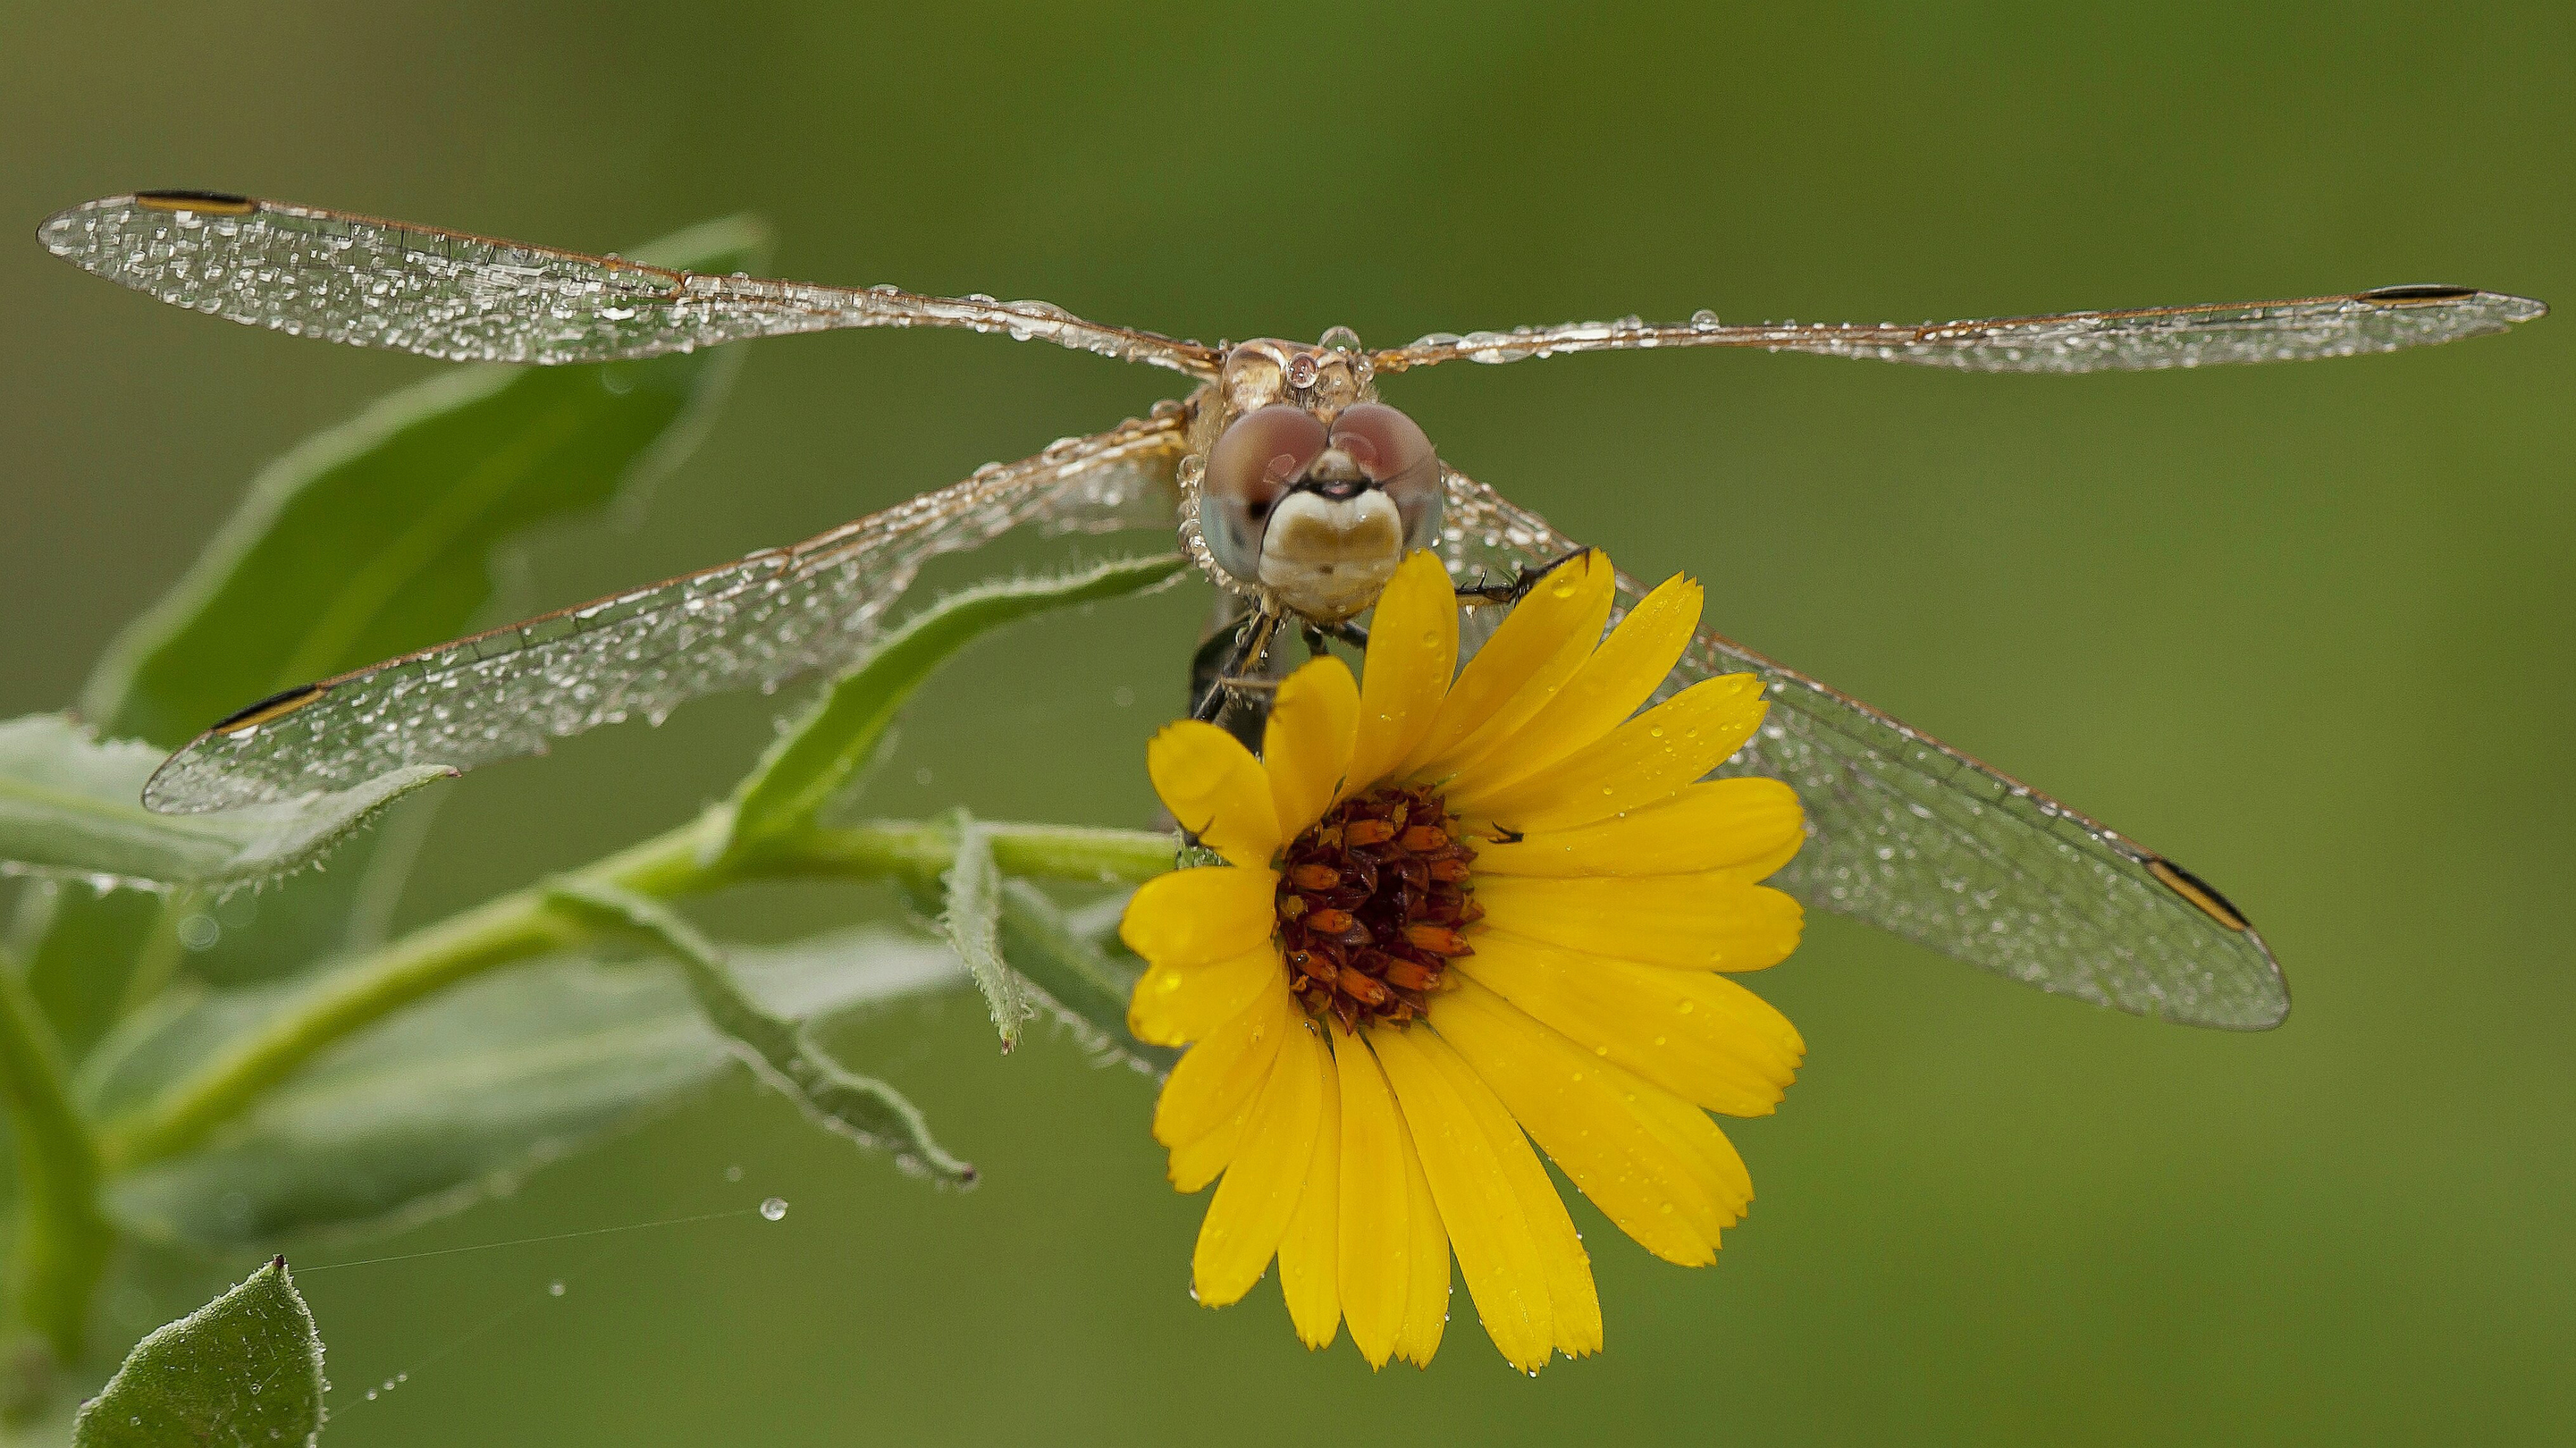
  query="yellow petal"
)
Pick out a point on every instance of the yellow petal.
point(1375, 1240)
point(1506, 1271)
point(1746, 827)
point(1646, 760)
point(1695, 1034)
point(1216, 790)
point(1310, 1255)
point(1174, 1005)
point(1426, 1291)
point(1197, 1162)
point(1199, 917)
point(1581, 1110)
point(1413, 646)
point(1307, 743)
point(1707, 921)
point(1253, 1204)
point(1619, 676)
point(1542, 686)
point(1221, 1076)
point(1566, 608)
point(1573, 1304)
point(1686, 1128)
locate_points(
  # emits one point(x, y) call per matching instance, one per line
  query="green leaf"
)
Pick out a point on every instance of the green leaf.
point(970, 916)
point(461, 1095)
point(1059, 954)
point(368, 540)
point(812, 762)
point(69, 810)
point(245, 1368)
point(778, 1049)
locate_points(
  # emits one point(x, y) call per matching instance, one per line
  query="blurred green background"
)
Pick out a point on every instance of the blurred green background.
point(2303, 628)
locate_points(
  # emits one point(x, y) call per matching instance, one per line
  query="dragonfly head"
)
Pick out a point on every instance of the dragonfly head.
point(1313, 490)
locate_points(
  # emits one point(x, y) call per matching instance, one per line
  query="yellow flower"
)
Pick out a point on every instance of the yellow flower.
point(1453, 913)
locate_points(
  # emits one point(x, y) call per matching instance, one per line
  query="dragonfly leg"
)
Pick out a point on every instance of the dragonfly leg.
point(1347, 631)
point(1523, 580)
point(1227, 672)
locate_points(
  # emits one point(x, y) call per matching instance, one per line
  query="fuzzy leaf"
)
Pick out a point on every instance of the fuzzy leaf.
point(812, 762)
point(69, 809)
point(776, 1048)
point(971, 917)
point(1060, 955)
point(245, 1368)
point(460, 1096)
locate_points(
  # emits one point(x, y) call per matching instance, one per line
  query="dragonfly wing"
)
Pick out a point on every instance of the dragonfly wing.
point(820, 605)
point(1919, 839)
point(2135, 340)
point(450, 294)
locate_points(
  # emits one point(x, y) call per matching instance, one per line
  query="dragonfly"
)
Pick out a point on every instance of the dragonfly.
point(1288, 482)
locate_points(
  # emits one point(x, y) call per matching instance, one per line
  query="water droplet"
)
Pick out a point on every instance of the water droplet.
point(733, 1173)
point(774, 1208)
point(553, 1289)
point(371, 1395)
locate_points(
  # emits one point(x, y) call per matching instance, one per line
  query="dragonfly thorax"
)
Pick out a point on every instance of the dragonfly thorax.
point(1304, 489)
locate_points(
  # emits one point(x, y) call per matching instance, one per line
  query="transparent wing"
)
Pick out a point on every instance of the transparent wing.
point(779, 613)
point(1915, 837)
point(2147, 337)
point(374, 283)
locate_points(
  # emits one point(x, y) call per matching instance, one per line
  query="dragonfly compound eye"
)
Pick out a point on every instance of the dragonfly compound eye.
point(1392, 452)
point(1260, 457)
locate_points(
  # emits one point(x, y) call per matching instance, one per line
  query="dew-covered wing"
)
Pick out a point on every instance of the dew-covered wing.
point(1913, 836)
point(776, 614)
point(2135, 340)
point(375, 283)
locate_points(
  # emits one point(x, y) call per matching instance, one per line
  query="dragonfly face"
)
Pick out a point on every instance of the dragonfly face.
point(1294, 489)
point(1304, 490)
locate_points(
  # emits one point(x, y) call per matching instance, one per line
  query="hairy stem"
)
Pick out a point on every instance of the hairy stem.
point(532, 922)
point(63, 1241)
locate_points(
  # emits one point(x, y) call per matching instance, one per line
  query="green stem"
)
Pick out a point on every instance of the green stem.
point(1061, 852)
point(63, 1241)
point(156, 964)
point(530, 922)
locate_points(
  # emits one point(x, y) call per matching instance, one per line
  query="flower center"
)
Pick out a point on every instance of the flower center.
point(1371, 902)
